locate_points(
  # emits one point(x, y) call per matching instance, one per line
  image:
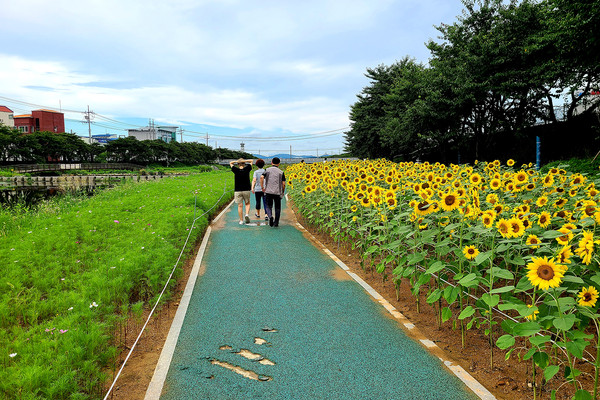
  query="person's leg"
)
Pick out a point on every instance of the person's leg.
point(246, 199)
point(238, 199)
point(268, 207)
point(277, 201)
point(258, 201)
point(241, 210)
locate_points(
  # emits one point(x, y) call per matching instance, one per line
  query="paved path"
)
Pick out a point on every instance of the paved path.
point(273, 317)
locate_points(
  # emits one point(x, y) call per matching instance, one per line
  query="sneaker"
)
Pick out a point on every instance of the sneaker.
point(256, 215)
point(271, 221)
point(266, 217)
point(247, 219)
point(241, 222)
point(275, 225)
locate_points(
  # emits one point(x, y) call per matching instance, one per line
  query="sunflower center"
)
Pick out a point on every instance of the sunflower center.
point(471, 251)
point(450, 200)
point(587, 296)
point(546, 272)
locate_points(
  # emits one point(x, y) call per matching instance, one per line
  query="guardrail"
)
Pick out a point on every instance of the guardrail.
point(72, 181)
point(28, 168)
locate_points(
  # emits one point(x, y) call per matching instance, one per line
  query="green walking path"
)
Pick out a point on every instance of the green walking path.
point(272, 317)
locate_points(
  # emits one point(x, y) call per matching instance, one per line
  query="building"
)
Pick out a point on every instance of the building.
point(6, 116)
point(103, 139)
point(41, 120)
point(164, 133)
point(588, 99)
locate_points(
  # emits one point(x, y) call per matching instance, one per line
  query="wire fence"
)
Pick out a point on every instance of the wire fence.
point(164, 288)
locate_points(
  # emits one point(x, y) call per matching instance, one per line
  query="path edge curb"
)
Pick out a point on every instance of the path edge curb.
point(155, 386)
point(473, 384)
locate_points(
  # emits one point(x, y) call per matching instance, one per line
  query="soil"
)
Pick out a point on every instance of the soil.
point(506, 379)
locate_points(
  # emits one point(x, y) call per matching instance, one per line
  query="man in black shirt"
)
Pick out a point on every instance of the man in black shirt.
point(241, 186)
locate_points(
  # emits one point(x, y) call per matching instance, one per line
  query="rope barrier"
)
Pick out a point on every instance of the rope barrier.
point(164, 288)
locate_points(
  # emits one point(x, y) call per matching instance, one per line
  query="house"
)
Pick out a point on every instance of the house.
point(6, 116)
point(41, 120)
point(164, 133)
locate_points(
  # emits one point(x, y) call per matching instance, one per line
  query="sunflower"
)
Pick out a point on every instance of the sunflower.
point(492, 198)
point(391, 202)
point(470, 252)
point(449, 201)
point(541, 201)
point(423, 208)
point(495, 184)
point(586, 247)
point(544, 219)
point(566, 236)
point(545, 273)
point(487, 220)
point(510, 162)
point(475, 179)
point(533, 241)
point(521, 177)
point(504, 227)
point(517, 229)
point(353, 208)
point(588, 296)
point(564, 255)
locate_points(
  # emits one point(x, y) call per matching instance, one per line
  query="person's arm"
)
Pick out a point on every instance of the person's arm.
point(283, 183)
point(262, 182)
point(231, 163)
point(253, 183)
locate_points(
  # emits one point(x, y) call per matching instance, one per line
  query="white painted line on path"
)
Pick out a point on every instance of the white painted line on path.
point(457, 370)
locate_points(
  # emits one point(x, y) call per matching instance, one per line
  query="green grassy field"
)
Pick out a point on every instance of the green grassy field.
point(74, 268)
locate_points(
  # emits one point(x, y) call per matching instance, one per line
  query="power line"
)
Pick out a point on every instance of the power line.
point(87, 116)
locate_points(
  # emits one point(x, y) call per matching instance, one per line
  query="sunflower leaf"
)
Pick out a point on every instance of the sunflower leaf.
point(565, 322)
point(436, 267)
point(573, 279)
point(505, 341)
point(550, 371)
point(526, 328)
point(552, 234)
point(467, 312)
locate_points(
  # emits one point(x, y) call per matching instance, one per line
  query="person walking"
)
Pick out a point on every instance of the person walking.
point(241, 186)
point(257, 189)
point(272, 183)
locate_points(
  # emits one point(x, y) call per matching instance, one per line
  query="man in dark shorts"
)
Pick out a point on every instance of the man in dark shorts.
point(241, 186)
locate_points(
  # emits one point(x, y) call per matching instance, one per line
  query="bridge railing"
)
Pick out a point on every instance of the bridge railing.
point(27, 168)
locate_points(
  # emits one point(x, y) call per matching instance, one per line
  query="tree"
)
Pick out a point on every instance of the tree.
point(368, 114)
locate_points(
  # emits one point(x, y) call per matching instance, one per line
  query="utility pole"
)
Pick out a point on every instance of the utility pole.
point(88, 117)
point(206, 139)
point(181, 133)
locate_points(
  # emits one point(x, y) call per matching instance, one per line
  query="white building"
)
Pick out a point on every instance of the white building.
point(7, 116)
point(164, 133)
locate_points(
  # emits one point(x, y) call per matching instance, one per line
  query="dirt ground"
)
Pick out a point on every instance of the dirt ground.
point(507, 380)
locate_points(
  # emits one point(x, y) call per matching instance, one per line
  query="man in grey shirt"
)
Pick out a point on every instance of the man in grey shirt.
point(272, 183)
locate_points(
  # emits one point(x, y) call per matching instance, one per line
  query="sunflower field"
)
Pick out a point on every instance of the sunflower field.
point(496, 247)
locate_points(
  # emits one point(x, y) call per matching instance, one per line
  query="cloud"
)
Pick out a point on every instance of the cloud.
point(51, 83)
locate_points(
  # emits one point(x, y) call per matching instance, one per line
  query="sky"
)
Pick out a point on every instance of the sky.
point(273, 75)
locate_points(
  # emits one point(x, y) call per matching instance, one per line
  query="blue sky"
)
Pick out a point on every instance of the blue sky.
point(256, 72)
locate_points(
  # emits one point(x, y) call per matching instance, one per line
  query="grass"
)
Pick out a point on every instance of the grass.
point(74, 268)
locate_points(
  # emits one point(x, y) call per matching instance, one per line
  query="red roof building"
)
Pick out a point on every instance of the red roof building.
point(41, 120)
point(6, 116)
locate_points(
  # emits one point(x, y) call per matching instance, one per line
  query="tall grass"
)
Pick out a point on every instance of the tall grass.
point(73, 268)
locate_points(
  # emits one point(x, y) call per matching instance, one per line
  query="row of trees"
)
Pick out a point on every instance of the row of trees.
point(41, 147)
point(500, 69)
